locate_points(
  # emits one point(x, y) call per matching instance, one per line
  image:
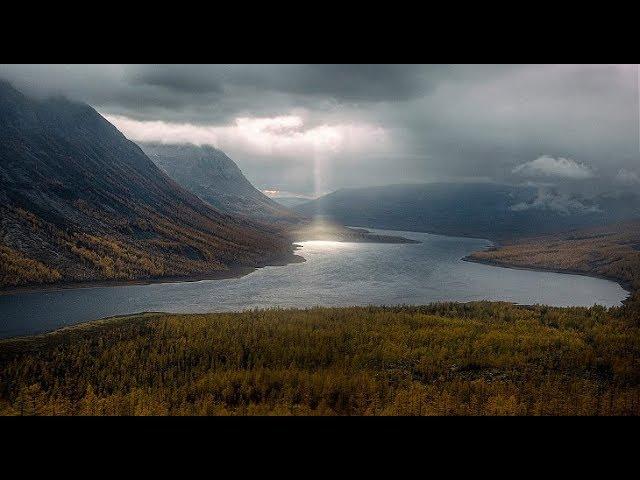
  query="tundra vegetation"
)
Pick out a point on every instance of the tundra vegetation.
point(441, 359)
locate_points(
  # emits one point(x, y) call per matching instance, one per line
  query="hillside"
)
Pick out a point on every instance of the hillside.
point(612, 251)
point(215, 178)
point(79, 202)
point(443, 359)
point(486, 210)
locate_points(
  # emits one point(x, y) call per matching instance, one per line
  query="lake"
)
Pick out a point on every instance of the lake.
point(335, 274)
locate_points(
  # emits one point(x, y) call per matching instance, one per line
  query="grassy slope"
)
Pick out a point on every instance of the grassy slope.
point(481, 358)
point(612, 251)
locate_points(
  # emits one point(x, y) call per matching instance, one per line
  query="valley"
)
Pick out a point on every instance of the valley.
point(319, 240)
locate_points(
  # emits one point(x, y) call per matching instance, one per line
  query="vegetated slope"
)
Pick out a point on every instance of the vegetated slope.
point(612, 251)
point(484, 210)
point(80, 202)
point(215, 178)
point(443, 359)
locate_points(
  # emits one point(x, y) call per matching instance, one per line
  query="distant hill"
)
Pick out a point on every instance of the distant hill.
point(484, 210)
point(215, 178)
point(291, 202)
point(80, 202)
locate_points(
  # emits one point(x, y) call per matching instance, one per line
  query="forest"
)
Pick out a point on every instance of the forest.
point(442, 359)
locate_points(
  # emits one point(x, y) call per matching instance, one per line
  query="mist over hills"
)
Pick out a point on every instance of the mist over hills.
point(215, 178)
point(211, 175)
point(487, 210)
point(80, 202)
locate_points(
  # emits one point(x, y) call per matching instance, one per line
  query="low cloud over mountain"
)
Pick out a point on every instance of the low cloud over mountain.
point(356, 124)
point(546, 166)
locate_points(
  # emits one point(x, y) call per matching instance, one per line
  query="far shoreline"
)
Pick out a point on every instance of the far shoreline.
point(238, 272)
point(625, 285)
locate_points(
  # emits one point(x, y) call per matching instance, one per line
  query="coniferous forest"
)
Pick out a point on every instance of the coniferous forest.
point(441, 359)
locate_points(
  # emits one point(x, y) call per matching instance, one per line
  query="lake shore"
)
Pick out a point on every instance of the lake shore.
point(626, 285)
point(608, 252)
point(234, 272)
point(332, 274)
point(344, 234)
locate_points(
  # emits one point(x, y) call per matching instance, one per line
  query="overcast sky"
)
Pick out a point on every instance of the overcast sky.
point(309, 129)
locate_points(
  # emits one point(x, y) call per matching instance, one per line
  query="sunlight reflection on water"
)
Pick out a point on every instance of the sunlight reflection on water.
point(334, 274)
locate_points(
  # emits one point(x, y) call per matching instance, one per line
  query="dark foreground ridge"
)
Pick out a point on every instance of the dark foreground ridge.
point(442, 359)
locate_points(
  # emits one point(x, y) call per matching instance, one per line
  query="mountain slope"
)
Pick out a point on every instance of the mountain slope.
point(485, 210)
point(215, 178)
point(80, 202)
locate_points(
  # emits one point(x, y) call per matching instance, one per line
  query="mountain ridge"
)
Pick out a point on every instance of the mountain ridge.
point(80, 202)
point(215, 178)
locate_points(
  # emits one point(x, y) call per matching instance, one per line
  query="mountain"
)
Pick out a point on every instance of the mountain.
point(215, 178)
point(486, 210)
point(80, 202)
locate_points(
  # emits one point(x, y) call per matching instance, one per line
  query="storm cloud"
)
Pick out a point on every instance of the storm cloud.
point(315, 128)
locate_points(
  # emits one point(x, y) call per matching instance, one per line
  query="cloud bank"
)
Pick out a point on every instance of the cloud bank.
point(284, 136)
point(627, 177)
point(358, 125)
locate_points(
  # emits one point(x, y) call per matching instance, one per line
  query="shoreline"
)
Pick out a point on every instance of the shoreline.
point(625, 285)
point(237, 272)
point(233, 272)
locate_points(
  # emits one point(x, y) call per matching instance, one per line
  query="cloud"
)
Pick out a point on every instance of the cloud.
point(546, 166)
point(179, 78)
point(284, 135)
point(343, 82)
point(440, 121)
point(563, 204)
point(627, 177)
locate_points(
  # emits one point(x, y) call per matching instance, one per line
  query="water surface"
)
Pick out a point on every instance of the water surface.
point(335, 274)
